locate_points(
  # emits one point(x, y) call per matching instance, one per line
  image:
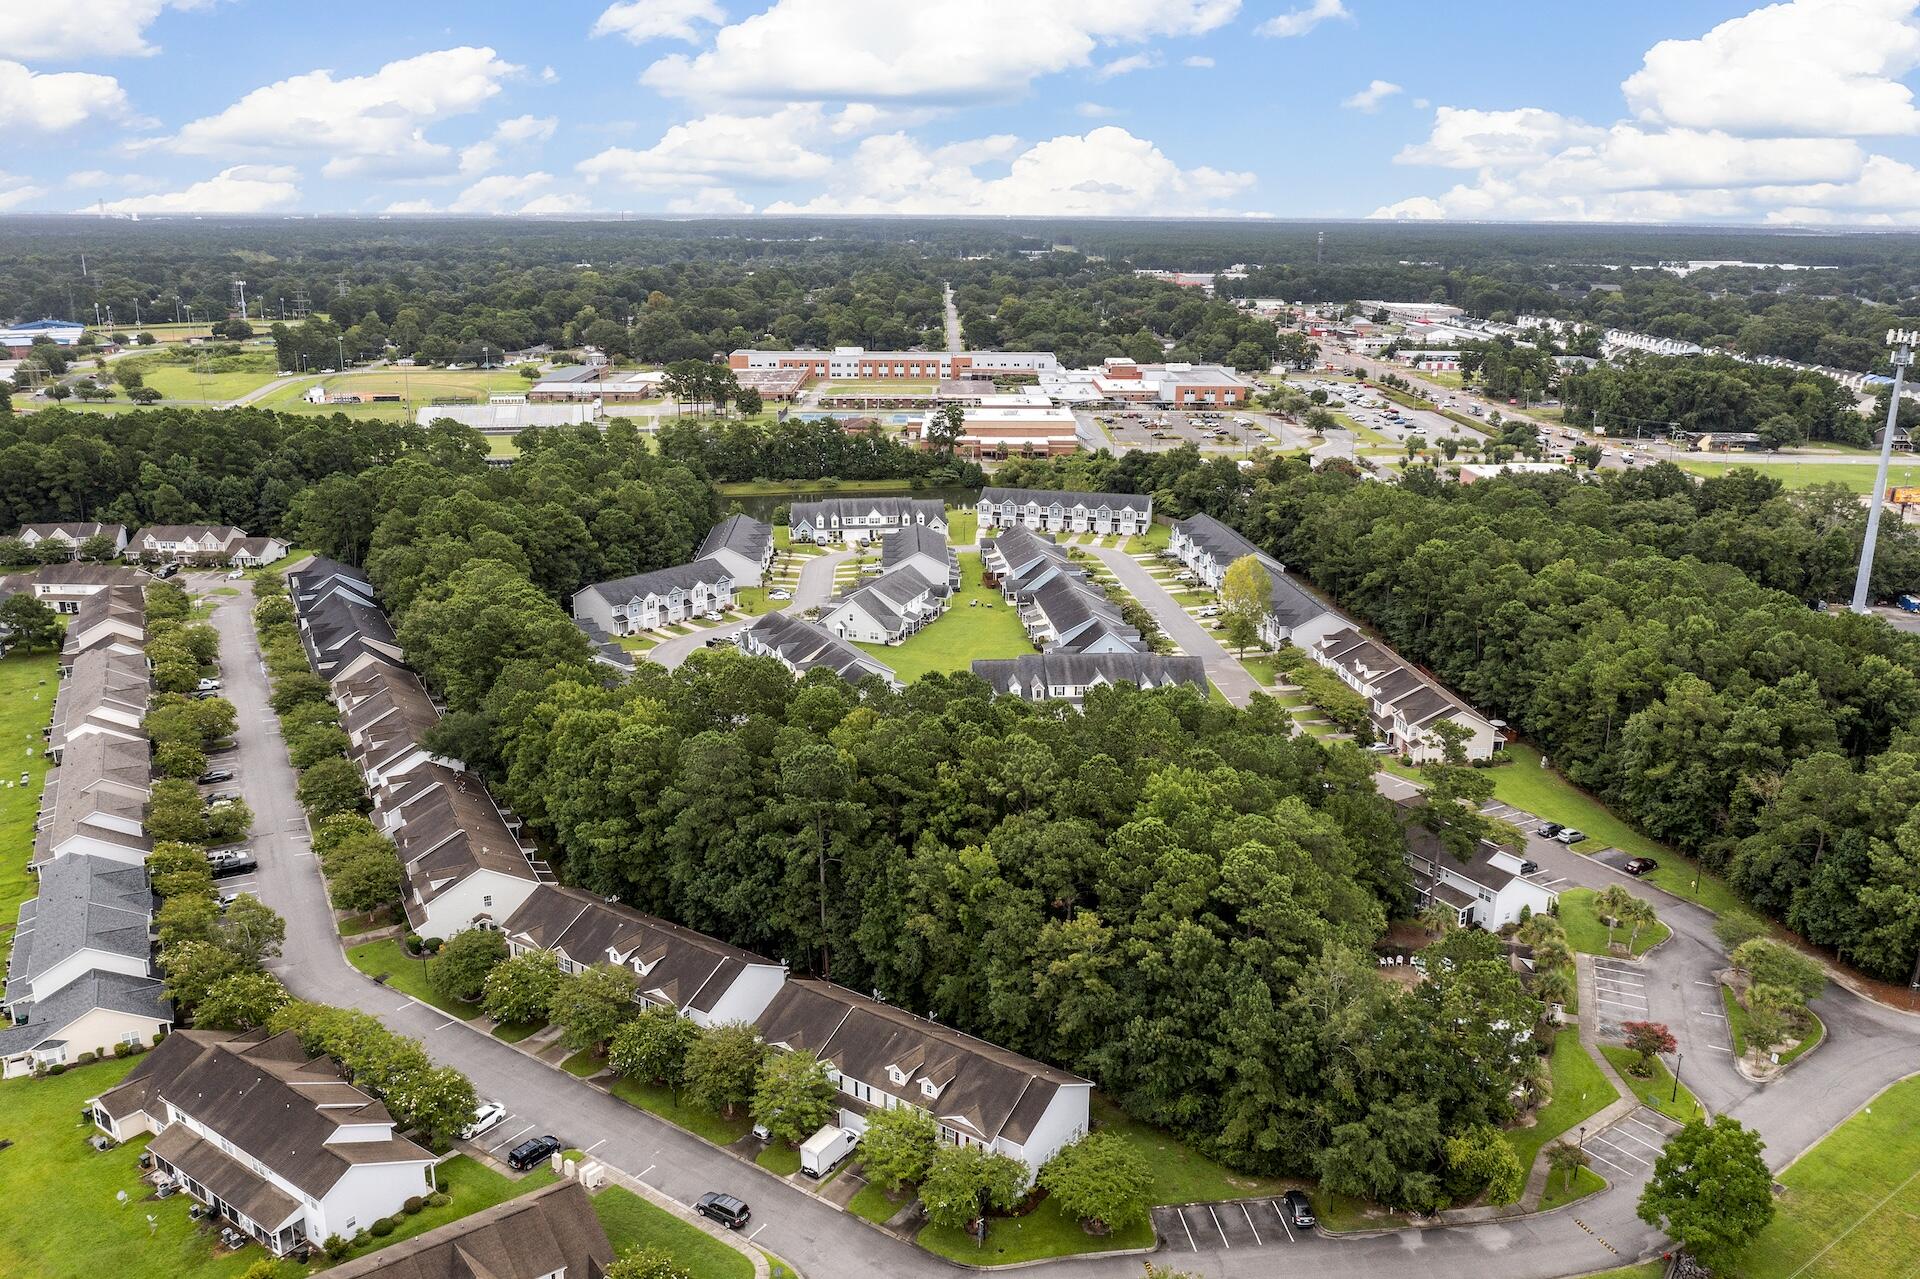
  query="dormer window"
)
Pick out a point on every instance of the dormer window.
point(927, 1089)
point(896, 1075)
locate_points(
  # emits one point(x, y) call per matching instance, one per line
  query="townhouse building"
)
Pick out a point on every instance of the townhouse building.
point(1209, 548)
point(743, 545)
point(275, 1141)
point(926, 552)
point(204, 544)
point(320, 578)
point(1070, 677)
point(886, 609)
point(1489, 890)
point(854, 363)
point(114, 620)
point(1065, 512)
point(860, 519)
point(664, 597)
point(344, 635)
point(1403, 704)
point(802, 646)
point(94, 800)
point(72, 533)
point(1059, 606)
point(880, 1057)
point(705, 980)
point(65, 587)
point(551, 1233)
point(466, 867)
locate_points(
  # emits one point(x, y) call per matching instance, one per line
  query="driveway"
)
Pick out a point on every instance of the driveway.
point(815, 587)
point(1228, 675)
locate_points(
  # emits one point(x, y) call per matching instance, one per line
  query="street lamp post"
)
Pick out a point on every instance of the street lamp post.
point(1902, 341)
point(1677, 1059)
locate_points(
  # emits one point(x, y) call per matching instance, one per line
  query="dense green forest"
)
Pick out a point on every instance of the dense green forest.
point(1649, 631)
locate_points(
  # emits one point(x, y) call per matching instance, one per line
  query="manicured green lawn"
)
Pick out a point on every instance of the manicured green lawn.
point(1587, 933)
point(1181, 1174)
point(872, 1203)
point(405, 973)
point(28, 683)
point(1857, 476)
point(1154, 540)
point(1645, 1270)
point(631, 1222)
point(963, 525)
point(180, 382)
point(718, 1129)
point(63, 1222)
point(1737, 1023)
point(584, 1064)
point(1579, 1090)
point(780, 1159)
point(1341, 1212)
point(1656, 1091)
point(1585, 1182)
point(1852, 1203)
point(880, 386)
point(964, 633)
point(1544, 793)
point(502, 446)
point(1044, 1232)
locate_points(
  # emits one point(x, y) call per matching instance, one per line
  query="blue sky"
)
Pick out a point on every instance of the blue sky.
point(1798, 112)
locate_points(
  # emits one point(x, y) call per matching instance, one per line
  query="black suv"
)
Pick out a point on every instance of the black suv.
point(532, 1151)
point(1299, 1209)
point(725, 1209)
point(214, 776)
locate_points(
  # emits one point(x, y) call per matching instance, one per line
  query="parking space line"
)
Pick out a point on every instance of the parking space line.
point(1617, 1003)
point(756, 1234)
point(1719, 1016)
point(1628, 1172)
point(1224, 1242)
point(595, 1146)
point(1283, 1219)
point(1717, 1048)
point(1189, 1229)
point(644, 1171)
point(1248, 1214)
point(521, 1133)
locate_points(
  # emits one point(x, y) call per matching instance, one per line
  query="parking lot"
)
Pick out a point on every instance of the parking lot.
point(1222, 432)
point(1527, 824)
point(1236, 1223)
point(1629, 1147)
point(1620, 990)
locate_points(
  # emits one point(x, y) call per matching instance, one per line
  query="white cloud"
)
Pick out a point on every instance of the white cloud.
point(16, 190)
point(1094, 111)
point(548, 75)
point(1421, 104)
point(91, 179)
point(713, 150)
point(368, 125)
point(1466, 139)
point(710, 200)
point(569, 202)
point(1633, 159)
point(639, 21)
point(1297, 22)
point(1106, 172)
point(82, 28)
point(499, 193)
point(58, 100)
point(1197, 60)
point(1809, 68)
point(245, 188)
point(1370, 98)
point(931, 50)
point(1122, 66)
point(521, 129)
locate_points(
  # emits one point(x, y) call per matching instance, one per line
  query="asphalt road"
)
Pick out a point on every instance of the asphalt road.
point(815, 587)
point(1868, 1047)
point(1228, 675)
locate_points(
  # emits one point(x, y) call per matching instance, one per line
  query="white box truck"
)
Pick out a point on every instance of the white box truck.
point(825, 1149)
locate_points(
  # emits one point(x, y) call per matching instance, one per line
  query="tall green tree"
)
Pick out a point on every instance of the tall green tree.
point(1710, 1190)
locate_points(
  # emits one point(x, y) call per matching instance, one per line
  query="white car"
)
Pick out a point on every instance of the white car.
point(236, 575)
point(207, 686)
point(780, 595)
point(487, 1116)
point(1207, 610)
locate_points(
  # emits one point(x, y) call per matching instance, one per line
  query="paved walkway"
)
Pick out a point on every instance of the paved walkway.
point(1228, 675)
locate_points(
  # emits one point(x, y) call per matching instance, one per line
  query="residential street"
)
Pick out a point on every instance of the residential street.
point(815, 587)
point(1228, 675)
point(1869, 1047)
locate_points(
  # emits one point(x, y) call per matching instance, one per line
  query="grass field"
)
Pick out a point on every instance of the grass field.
point(512, 1032)
point(1545, 793)
point(1852, 1203)
point(181, 382)
point(872, 1203)
point(631, 1222)
point(1181, 1174)
point(27, 686)
point(963, 525)
point(790, 488)
point(1737, 1027)
point(1044, 1232)
point(962, 634)
point(1587, 933)
point(1585, 1182)
point(718, 1129)
point(502, 446)
point(63, 1221)
point(779, 1159)
point(1579, 1090)
point(1795, 475)
point(405, 973)
point(879, 386)
point(1656, 1091)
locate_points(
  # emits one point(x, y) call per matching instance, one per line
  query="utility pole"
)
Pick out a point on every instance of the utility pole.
point(1902, 341)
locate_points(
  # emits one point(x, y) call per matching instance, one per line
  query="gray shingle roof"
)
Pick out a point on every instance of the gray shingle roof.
point(891, 510)
point(1081, 670)
point(660, 581)
point(83, 904)
point(1223, 544)
point(138, 996)
point(741, 534)
point(551, 1231)
point(1142, 503)
point(803, 646)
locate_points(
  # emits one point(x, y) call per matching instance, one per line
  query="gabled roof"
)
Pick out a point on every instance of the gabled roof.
point(661, 581)
point(83, 904)
point(684, 968)
point(914, 539)
point(1085, 670)
point(222, 533)
point(552, 1231)
point(983, 1090)
point(892, 510)
point(1141, 503)
point(320, 575)
point(803, 645)
point(741, 534)
point(78, 574)
point(1224, 545)
point(449, 829)
point(606, 650)
point(1288, 602)
point(269, 1099)
point(76, 530)
point(117, 992)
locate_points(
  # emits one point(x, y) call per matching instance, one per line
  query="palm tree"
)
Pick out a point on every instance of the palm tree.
point(1639, 915)
point(1612, 905)
point(1553, 952)
point(1553, 986)
point(1439, 919)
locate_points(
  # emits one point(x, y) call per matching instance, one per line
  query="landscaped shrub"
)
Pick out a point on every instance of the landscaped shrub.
point(58, 1068)
point(413, 1204)
point(335, 1247)
point(383, 1227)
point(413, 943)
point(437, 1199)
point(125, 1050)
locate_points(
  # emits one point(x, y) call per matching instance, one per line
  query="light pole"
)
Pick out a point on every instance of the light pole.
point(1677, 1059)
point(1902, 342)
